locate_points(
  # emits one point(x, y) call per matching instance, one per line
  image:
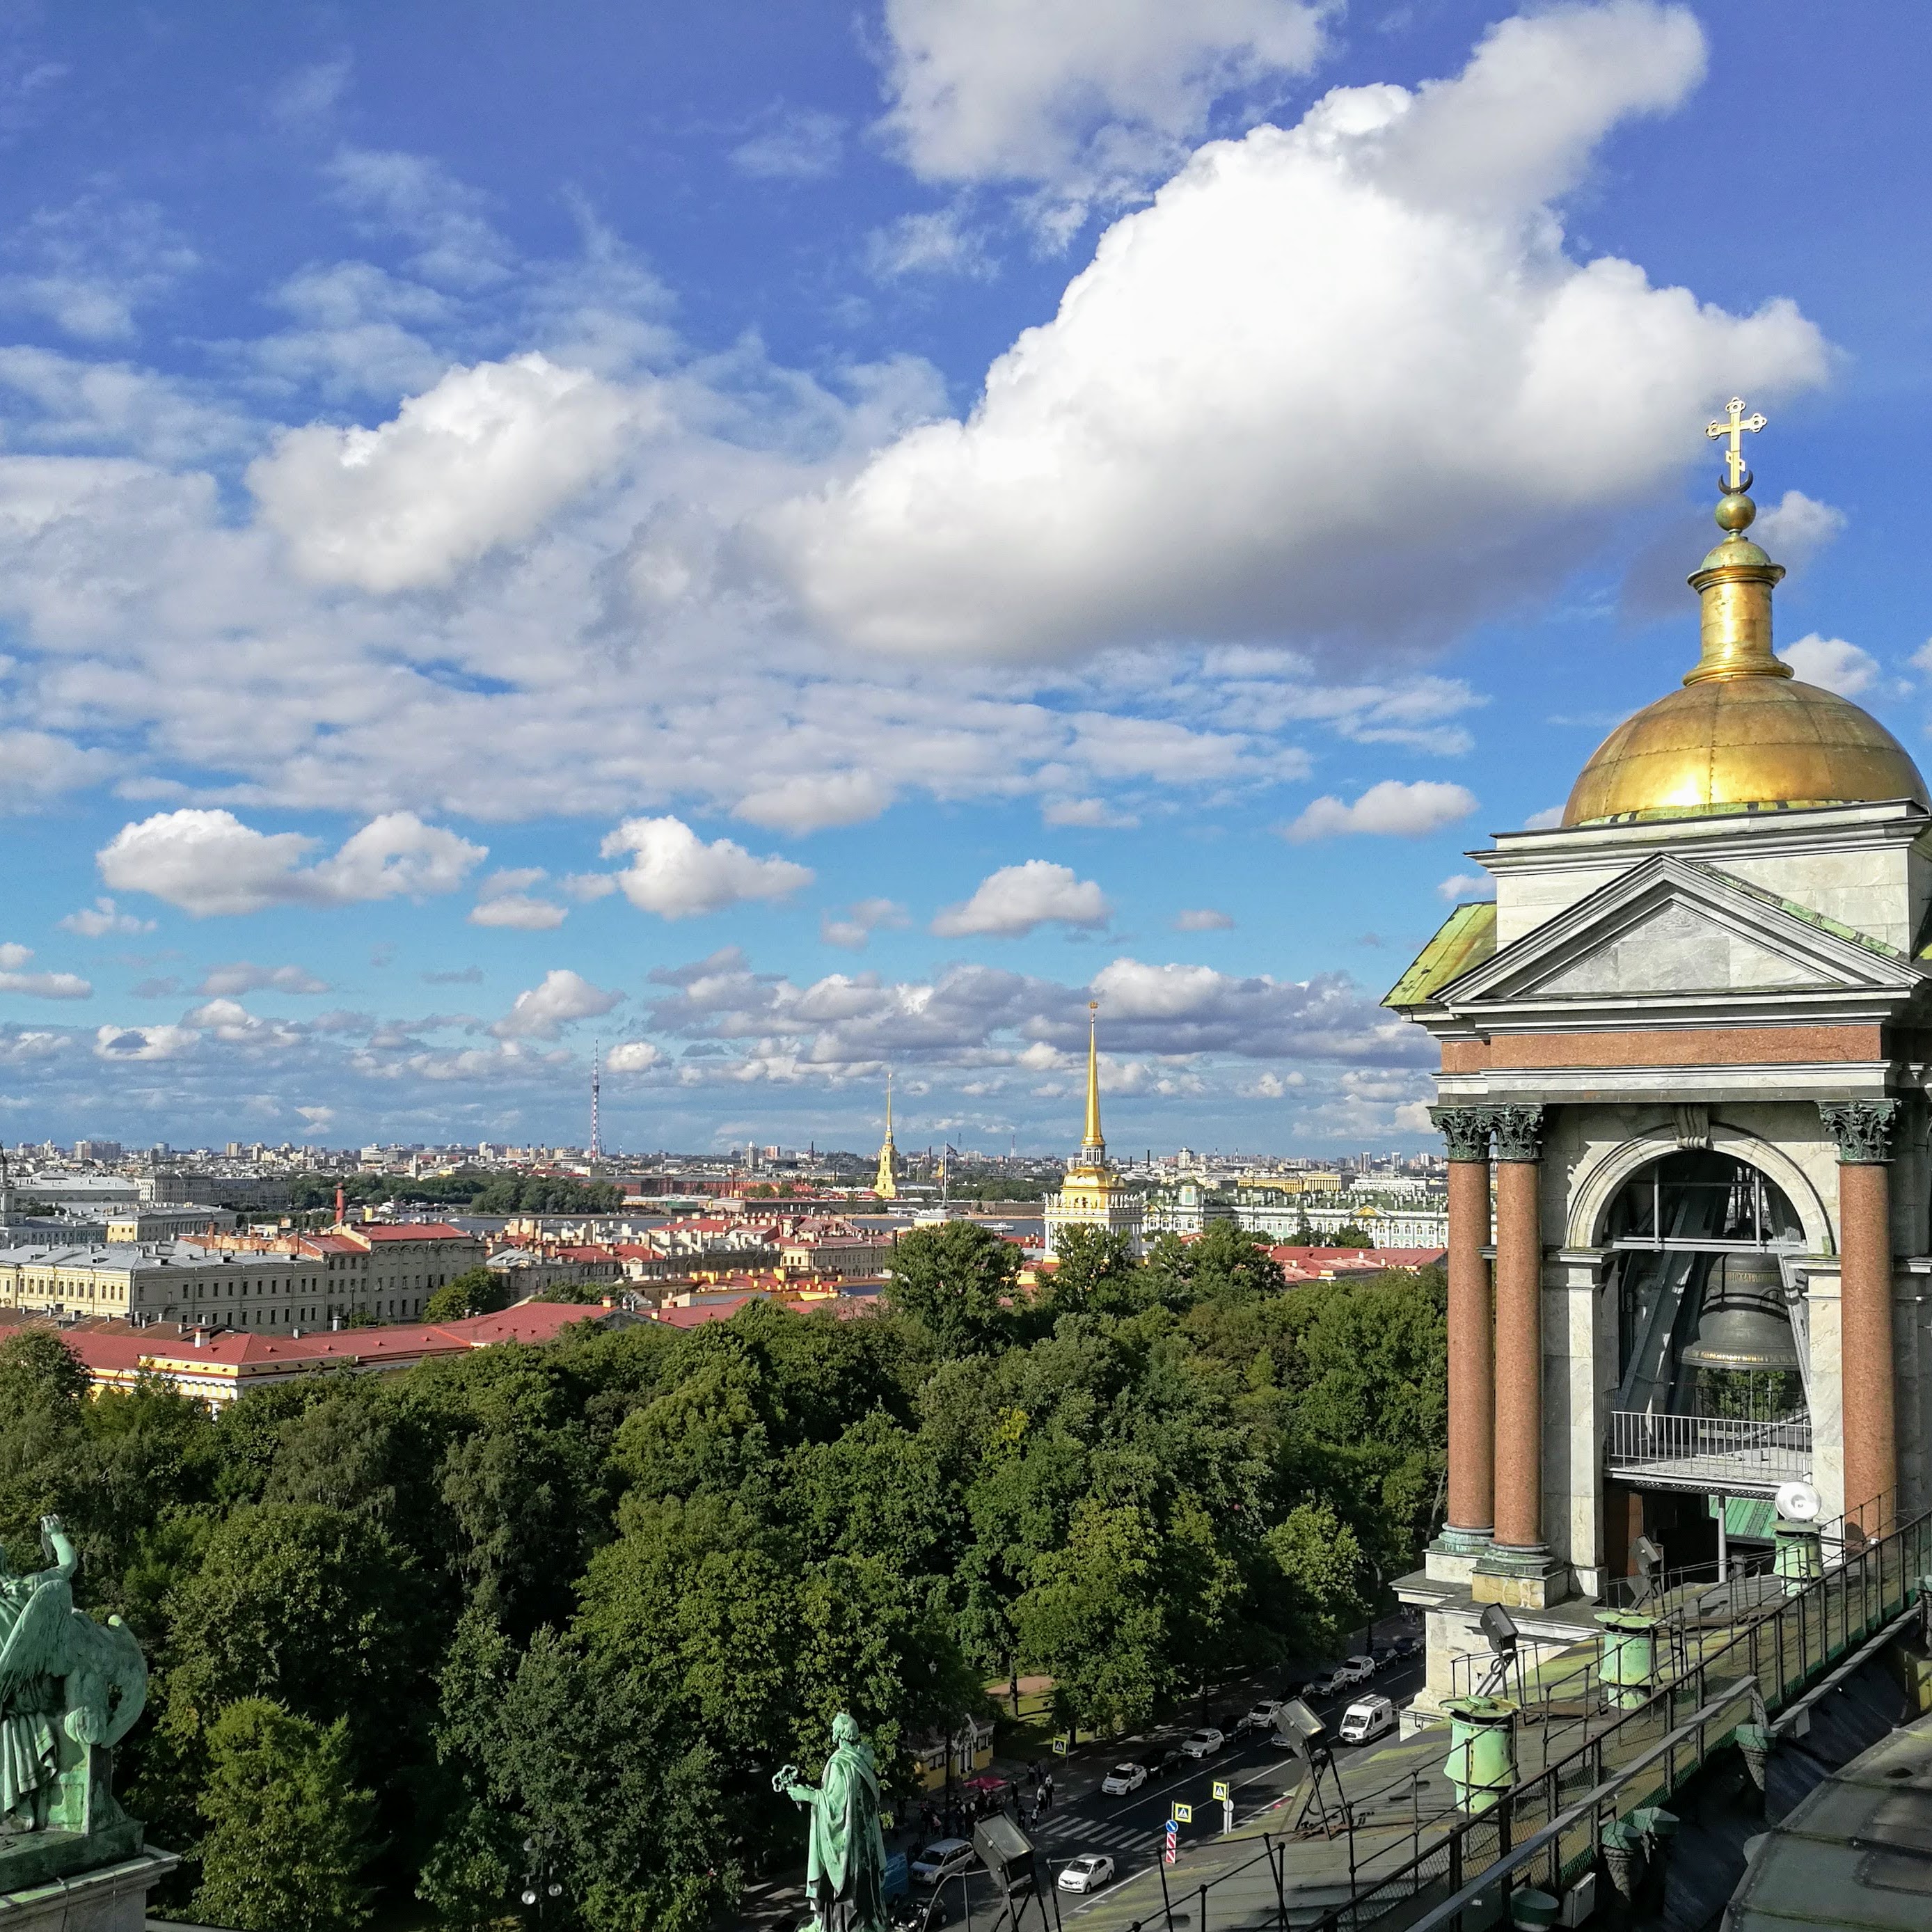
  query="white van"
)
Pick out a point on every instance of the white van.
point(1367, 1717)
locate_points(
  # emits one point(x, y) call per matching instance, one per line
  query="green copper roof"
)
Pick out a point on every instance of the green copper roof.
point(1819, 921)
point(1467, 938)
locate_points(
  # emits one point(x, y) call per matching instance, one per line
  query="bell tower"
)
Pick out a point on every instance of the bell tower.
point(1686, 1058)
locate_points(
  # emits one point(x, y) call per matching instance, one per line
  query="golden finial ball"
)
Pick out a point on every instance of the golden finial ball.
point(1735, 512)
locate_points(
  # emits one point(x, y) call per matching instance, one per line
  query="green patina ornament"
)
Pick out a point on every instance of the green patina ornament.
point(70, 1689)
point(845, 1870)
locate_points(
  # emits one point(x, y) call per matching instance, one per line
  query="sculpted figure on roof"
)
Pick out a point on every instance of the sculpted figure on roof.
point(70, 1689)
point(845, 1868)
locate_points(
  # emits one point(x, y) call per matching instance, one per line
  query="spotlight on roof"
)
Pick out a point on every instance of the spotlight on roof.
point(1499, 1626)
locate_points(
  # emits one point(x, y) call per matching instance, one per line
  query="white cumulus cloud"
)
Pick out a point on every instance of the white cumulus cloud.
point(1016, 898)
point(242, 977)
point(674, 874)
point(631, 1056)
point(1391, 808)
point(543, 1011)
point(1203, 918)
point(14, 956)
point(1074, 92)
point(815, 800)
point(103, 917)
point(1466, 886)
point(1831, 663)
point(482, 459)
point(208, 862)
point(1315, 339)
point(1796, 527)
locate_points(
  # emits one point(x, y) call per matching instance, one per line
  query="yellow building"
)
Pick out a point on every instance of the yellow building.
point(1091, 1195)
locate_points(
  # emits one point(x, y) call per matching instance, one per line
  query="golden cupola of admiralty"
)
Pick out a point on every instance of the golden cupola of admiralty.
point(1743, 733)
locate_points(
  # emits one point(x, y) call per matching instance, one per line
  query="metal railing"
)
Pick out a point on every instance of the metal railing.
point(1547, 1829)
point(1711, 1451)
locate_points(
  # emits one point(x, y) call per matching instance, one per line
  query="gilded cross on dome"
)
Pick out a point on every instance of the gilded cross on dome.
point(1736, 476)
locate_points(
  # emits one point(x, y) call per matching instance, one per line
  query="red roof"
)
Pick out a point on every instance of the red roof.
point(529, 1321)
point(1376, 1258)
point(409, 1231)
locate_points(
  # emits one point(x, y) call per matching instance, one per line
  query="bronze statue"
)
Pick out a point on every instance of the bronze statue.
point(70, 1689)
point(845, 1869)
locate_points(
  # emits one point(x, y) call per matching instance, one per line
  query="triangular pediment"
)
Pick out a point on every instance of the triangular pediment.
point(1671, 930)
point(1679, 948)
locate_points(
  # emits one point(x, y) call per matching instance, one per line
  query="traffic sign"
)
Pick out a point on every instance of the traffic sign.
point(1183, 1814)
point(1221, 1791)
point(1061, 1744)
point(1171, 1848)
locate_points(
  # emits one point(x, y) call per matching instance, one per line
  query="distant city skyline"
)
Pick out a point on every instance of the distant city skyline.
point(803, 543)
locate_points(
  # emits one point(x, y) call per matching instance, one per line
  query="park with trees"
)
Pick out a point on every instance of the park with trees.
point(561, 1611)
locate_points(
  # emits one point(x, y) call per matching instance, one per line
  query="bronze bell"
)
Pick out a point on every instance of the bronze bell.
point(1744, 1324)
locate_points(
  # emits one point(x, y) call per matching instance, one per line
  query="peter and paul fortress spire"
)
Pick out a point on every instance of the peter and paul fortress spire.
point(886, 1185)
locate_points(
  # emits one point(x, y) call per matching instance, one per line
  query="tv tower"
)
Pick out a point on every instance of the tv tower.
point(596, 1082)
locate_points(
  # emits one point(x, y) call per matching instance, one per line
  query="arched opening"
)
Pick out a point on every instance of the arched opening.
point(1710, 1414)
point(1707, 1323)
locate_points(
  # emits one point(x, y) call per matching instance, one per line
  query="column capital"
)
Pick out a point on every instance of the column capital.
point(1861, 1128)
point(1466, 1130)
point(1519, 1131)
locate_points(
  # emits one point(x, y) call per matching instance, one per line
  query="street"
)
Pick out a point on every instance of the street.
point(1130, 1830)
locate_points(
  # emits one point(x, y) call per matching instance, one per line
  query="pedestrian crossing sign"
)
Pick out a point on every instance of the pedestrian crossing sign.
point(1221, 1789)
point(1183, 1814)
point(1061, 1744)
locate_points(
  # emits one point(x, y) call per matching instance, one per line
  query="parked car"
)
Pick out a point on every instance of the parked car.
point(1407, 1645)
point(1258, 1716)
point(1357, 1670)
point(1366, 1717)
point(1337, 1678)
point(1202, 1743)
point(944, 1858)
point(1160, 1763)
point(1088, 1873)
point(1124, 1777)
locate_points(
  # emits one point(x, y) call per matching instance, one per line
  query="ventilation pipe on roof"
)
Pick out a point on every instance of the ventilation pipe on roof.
point(335, 1322)
point(200, 1338)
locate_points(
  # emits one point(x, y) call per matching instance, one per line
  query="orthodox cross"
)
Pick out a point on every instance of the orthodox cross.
point(1736, 476)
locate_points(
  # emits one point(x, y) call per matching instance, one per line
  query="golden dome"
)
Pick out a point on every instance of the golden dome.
point(1743, 733)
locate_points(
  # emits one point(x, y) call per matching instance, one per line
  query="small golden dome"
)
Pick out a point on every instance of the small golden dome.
point(1733, 742)
point(1742, 734)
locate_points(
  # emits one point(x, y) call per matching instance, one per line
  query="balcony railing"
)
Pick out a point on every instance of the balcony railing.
point(1703, 1452)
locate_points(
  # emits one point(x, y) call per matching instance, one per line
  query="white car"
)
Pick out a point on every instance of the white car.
point(1088, 1873)
point(1123, 1778)
point(1367, 1717)
point(1260, 1716)
point(1202, 1743)
point(1356, 1670)
point(944, 1858)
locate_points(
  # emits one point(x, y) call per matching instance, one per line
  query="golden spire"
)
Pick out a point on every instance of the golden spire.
point(1093, 1145)
point(886, 1184)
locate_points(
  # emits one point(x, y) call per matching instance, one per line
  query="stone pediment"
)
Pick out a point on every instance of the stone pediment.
point(1678, 948)
point(1671, 931)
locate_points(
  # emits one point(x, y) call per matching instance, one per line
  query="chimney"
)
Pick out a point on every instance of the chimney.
point(200, 1338)
point(335, 1322)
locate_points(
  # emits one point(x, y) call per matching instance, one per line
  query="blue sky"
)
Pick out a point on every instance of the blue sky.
point(795, 540)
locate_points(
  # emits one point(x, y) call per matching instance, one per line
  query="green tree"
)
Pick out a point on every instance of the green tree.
point(1097, 1272)
point(288, 1828)
point(957, 1281)
point(478, 1290)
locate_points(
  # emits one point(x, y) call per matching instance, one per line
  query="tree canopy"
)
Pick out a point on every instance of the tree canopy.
point(587, 1597)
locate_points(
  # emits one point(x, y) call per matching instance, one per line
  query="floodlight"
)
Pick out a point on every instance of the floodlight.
point(1298, 1727)
point(1798, 1502)
point(1648, 1555)
point(1499, 1626)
